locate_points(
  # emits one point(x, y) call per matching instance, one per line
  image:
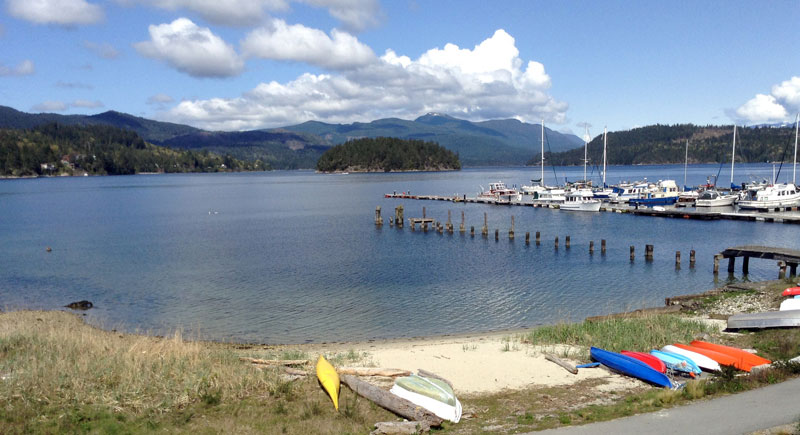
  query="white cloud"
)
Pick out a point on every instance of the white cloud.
point(296, 42)
point(50, 106)
point(73, 85)
point(356, 15)
point(86, 104)
point(24, 68)
point(191, 49)
point(61, 12)
point(486, 82)
point(788, 93)
point(762, 108)
point(783, 100)
point(103, 50)
point(159, 99)
point(225, 12)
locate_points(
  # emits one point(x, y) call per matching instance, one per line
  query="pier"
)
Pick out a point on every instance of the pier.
point(675, 213)
point(784, 256)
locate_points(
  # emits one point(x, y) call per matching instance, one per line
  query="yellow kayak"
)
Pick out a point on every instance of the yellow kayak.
point(329, 379)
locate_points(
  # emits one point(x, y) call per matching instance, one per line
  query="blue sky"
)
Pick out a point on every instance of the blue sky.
point(246, 64)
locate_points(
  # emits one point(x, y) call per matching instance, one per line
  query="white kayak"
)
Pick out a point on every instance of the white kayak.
point(702, 361)
point(790, 304)
point(430, 393)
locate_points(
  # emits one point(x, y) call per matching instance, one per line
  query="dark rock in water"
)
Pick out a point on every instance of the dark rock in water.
point(80, 305)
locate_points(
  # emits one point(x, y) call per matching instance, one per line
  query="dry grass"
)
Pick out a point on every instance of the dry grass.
point(58, 374)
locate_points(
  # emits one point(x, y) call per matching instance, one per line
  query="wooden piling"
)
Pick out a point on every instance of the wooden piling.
point(485, 229)
point(717, 257)
point(538, 238)
point(378, 218)
point(556, 242)
point(566, 242)
point(691, 258)
point(399, 219)
point(731, 264)
point(677, 259)
point(425, 227)
point(391, 221)
point(472, 231)
point(591, 247)
point(462, 227)
point(648, 252)
point(746, 265)
point(527, 237)
point(511, 231)
point(781, 269)
point(632, 253)
point(449, 223)
point(496, 234)
point(603, 246)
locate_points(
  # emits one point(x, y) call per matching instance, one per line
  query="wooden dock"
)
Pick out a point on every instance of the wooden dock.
point(675, 213)
point(784, 256)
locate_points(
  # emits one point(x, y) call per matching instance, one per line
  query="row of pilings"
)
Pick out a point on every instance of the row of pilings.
point(429, 224)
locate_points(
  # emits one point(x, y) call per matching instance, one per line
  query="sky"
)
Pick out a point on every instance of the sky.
point(251, 64)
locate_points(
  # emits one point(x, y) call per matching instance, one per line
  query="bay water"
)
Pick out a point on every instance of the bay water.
point(293, 257)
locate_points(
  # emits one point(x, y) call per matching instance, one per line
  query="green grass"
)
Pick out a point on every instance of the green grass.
point(637, 334)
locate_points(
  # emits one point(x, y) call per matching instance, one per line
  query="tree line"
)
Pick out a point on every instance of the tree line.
point(388, 154)
point(666, 144)
point(55, 149)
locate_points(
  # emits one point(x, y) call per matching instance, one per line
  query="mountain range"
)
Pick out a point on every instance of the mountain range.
point(486, 143)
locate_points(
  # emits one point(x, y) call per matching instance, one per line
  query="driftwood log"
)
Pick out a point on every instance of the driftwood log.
point(370, 371)
point(387, 400)
point(570, 368)
point(400, 427)
point(275, 362)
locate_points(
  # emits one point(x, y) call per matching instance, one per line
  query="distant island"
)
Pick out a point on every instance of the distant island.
point(666, 144)
point(54, 149)
point(387, 154)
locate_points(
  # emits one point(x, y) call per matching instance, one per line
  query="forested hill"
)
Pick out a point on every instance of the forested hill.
point(55, 149)
point(665, 144)
point(384, 154)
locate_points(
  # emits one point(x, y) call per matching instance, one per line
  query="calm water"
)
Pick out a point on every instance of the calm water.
point(289, 257)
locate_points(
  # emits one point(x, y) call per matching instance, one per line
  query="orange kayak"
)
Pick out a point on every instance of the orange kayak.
point(721, 358)
point(746, 357)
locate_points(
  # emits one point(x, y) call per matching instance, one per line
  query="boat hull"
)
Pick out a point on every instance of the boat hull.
point(768, 319)
point(654, 363)
point(717, 202)
point(649, 202)
point(745, 356)
point(791, 291)
point(590, 206)
point(721, 358)
point(702, 361)
point(630, 366)
point(675, 362)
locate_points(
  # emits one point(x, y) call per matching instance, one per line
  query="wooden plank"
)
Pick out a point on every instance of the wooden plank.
point(400, 427)
point(387, 400)
point(570, 368)
point(275, 362)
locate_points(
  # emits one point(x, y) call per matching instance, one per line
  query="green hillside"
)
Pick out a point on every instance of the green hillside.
point(385, 154)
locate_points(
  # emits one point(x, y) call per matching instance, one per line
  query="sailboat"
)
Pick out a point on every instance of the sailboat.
point(713, 197)
point(777, 194)
point(604, 192)
point(538, 185)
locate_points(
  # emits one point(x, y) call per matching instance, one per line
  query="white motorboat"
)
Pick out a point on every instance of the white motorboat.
point(772, 196)
point(499, 192)
point(715, 198)
point(580, 200)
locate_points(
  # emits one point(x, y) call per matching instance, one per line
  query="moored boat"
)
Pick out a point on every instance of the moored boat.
point(767, 319)
point(629, 366)
point(772, 196)
point(715, 198)
point(499, 192)
point(665, 193)
point(580, 200)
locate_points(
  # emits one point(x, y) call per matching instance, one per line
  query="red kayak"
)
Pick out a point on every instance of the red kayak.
point(792, 291)
point(655, 363)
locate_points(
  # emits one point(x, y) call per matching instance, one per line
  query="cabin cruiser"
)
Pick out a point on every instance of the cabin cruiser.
point(580, 200)
point(774, 195)
point(715, 198)
point(622, 192)
point(499, 192)
point(665, 192)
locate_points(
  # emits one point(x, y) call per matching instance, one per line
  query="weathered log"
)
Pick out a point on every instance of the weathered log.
point(400, 427)
point(428, 374)
point(570, 368)
point(275, 362)
point(387, 400)
point(370, 371)
point(295, 372)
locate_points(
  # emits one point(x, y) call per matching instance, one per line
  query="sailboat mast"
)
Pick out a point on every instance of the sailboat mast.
point(733, 153)
point(542, 175)
point(585, 150)
point(685, 162)
point(605, 135)
point(794, 165)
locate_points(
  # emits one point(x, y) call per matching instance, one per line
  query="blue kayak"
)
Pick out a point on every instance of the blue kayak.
point(630, 366)
point(678, 363)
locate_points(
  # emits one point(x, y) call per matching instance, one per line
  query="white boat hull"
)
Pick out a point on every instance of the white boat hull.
point(722, 201)
point(593, 205)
